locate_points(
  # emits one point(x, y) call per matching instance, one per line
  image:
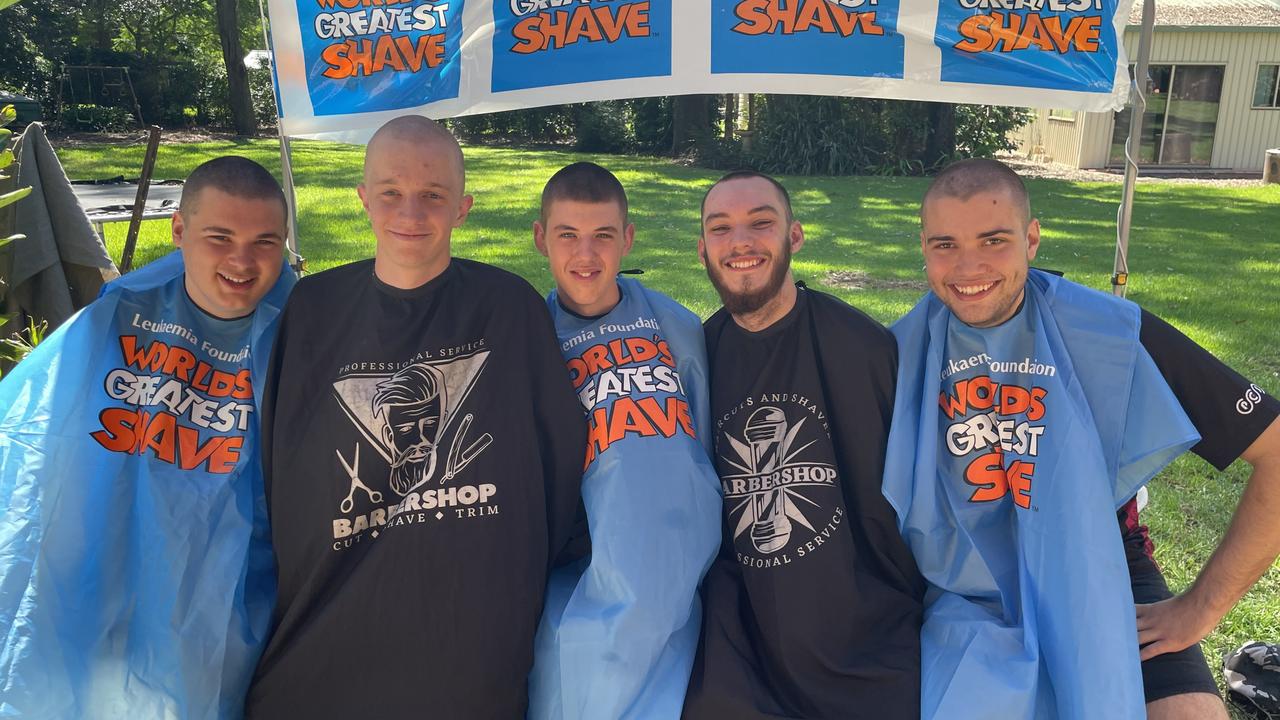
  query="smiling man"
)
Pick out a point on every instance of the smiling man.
point(620, 629)
point(812, 608)
point(136, 579)
point(423, 456)
point(1029, 410)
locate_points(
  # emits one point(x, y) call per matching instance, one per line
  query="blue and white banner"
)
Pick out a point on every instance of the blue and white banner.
point(346, 66)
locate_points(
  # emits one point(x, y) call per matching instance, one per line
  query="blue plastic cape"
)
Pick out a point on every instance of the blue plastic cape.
point(618, 637)
point(1006, 470)
point(136, 578)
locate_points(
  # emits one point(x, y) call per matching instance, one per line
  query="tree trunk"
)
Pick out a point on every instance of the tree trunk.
point(100, 25)
point(730, 116)
point(690, 121)
point(237, 76)
point(940, 143)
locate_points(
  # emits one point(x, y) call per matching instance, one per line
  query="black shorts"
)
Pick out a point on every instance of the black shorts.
point(1172, 673)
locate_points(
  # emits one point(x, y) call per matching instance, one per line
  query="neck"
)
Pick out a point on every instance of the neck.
point(772, 311)
point(407, 278)
point(596, 309)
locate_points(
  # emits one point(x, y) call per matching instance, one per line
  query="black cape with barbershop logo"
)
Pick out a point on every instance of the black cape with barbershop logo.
point(813, 608)
point(423, 456)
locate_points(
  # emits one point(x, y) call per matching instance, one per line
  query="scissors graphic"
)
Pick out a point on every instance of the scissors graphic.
point(458, 461)
point(348, 504)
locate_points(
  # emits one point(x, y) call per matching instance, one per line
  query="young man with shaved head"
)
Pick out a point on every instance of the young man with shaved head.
point(620, 629)
point(136, 577)
point(1029, 409)
point(423, 455)
point(812, 609)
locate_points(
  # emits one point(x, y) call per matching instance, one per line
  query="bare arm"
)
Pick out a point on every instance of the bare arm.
point(1250, 545)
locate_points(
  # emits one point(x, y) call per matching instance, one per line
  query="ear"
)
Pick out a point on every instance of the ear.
point(540, 238)
point(1033, 239)
point(464, 207)
point(795, 235)
point(361, 190)
point(177, 228)
point(628, 237)
point(702, 251)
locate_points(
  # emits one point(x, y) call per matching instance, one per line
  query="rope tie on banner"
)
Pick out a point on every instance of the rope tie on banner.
point(1120, 276)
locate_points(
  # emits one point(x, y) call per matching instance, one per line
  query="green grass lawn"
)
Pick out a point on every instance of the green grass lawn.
point(1205, 258)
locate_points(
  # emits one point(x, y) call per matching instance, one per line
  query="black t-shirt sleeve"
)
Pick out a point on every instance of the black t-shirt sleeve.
point(270, 392)
point(1229, 411)
point(561, 434)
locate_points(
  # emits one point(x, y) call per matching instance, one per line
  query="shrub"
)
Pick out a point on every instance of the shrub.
point(95, 118)
point(984, 130)
point(816, 135)
point(651, 124)
point(540, 125)
point(600, 127)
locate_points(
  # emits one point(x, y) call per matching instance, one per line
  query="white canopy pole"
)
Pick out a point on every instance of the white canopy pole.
point(286, 165)
point(1137, 108)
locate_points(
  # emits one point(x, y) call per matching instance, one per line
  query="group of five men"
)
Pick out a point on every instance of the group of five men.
point(481, 504)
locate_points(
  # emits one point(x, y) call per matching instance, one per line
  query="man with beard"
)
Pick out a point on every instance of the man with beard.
point(423, 455)
point(1028, 410)
point(813, 607)
point(410, 403)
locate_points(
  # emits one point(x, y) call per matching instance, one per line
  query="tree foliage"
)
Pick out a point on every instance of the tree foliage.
point(172, 48)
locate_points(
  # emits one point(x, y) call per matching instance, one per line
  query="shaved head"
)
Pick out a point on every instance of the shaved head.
point(416, 129)
point(962, 180)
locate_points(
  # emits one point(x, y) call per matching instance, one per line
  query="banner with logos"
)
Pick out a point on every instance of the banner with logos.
point(349, 65)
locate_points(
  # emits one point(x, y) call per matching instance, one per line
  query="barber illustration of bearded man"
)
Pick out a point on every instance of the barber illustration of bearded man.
point(411, 404)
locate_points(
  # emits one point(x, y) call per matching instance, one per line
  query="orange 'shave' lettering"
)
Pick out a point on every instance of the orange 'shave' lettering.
point(645, 418)
point(1007, 32)
point(993, 480)
point(760, 17)
point(560, 28)
point(364, 57)
point(137, 432)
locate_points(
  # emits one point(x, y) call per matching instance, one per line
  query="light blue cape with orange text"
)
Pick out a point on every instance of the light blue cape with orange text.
point(136, 578)
point(620, 630)
point(1029, 612)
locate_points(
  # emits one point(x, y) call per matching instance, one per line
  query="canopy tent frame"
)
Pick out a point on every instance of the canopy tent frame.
point(1124, 214)
point(1137, 109)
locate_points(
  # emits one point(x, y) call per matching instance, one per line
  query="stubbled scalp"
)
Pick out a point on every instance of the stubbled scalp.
point(417, 129)
point(783, 195)
point(234, 175)
point(583, 182)
point(962, 180)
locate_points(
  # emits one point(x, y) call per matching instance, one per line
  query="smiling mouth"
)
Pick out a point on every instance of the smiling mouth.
point(584, 274)
point(744, 263)
point(408, 235)
point(237, 282)
point(973, 290)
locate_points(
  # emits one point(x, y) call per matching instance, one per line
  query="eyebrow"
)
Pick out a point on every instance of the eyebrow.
point(987, 234)
point(566, 226)
point(762, 208)
point(393, 181)
point(228, 231)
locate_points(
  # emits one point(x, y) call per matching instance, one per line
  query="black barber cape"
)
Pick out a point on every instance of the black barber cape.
point(813, 608)
point(423, 454)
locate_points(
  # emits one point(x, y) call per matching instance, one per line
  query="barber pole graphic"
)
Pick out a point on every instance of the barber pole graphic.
point(772, 474)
